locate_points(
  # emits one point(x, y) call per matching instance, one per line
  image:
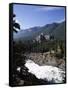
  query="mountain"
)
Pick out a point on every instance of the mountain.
point(55, 29)
point(59, 32)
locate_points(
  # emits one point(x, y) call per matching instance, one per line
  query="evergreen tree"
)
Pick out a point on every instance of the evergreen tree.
point(15, 24)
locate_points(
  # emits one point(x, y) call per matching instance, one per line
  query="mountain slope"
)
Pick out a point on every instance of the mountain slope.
point(59, 32)
point(56, 29)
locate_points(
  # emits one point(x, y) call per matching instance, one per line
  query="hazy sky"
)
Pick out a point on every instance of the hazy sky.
point(30, 16)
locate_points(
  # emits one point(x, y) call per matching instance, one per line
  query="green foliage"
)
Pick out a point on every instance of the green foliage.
point(60, 45)
point(43, 46)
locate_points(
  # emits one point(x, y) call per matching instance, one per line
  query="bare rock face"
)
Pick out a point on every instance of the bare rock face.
point(61, 63)
point(47, 58)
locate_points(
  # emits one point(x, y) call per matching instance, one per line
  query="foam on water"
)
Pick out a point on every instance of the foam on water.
point(45, 72)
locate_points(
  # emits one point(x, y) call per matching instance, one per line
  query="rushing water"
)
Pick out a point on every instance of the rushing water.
point(49, 73)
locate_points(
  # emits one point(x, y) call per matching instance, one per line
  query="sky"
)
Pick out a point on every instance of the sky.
point(31, 16)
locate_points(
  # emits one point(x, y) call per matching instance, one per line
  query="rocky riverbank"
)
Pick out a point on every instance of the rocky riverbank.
point(47, 58)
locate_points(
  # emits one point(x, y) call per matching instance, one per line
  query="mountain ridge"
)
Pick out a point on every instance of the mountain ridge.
point(56, 29)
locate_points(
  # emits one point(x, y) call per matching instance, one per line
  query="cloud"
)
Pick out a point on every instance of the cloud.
point(17, 21)
point(62, 20)
point(49, 8)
